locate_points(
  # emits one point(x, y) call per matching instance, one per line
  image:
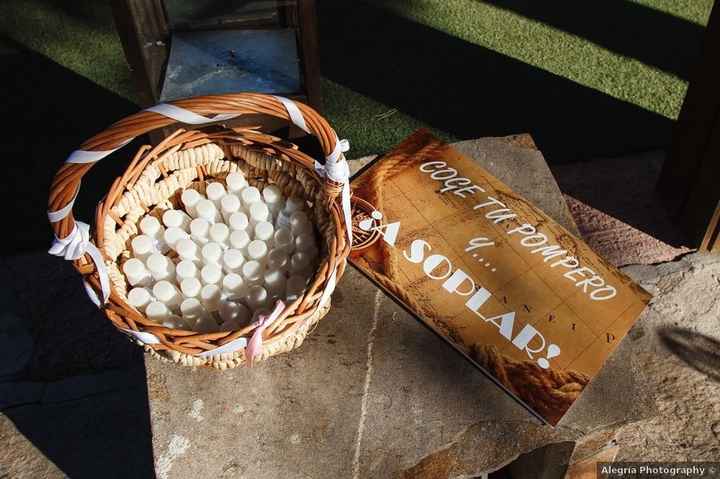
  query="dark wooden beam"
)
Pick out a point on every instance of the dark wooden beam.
point(690, 175)
point(309, 51)
point(142, 27)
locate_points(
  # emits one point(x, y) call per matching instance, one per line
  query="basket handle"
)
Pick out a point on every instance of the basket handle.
point(71, 239)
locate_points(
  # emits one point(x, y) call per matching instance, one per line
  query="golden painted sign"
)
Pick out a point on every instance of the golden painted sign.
point(507, 286)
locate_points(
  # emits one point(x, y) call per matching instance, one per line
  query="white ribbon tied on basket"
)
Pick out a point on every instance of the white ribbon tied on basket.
point(231, 347)
point(186, 116)
point(142, 336)
point(294, 113)
point(76, 245)
point(339, 172)
point(335, 167)
point(78, 242)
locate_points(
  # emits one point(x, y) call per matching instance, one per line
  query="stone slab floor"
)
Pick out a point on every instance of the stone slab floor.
point(383, 414)
point(363, 425)
point(78, 400)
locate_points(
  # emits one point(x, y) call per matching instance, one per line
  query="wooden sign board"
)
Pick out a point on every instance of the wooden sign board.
point(527, 302)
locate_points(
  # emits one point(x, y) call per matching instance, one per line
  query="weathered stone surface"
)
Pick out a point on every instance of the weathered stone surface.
point(517, 163)
point(622, 217)
point(78, 427)
point(425, 397)
point(72, 390)
point(20, 458)
point(294, 416)
point(425, 400)
point(373, 392)
point(678, 347)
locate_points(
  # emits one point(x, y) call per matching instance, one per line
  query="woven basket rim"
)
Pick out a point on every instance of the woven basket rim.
point(191, 343)
point(142, 323)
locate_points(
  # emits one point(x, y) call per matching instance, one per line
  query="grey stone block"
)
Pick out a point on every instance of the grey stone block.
point(372, 392)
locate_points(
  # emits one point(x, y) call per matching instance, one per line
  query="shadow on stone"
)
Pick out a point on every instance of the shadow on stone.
point(699, 351)
point(547, 462)
point(53, 111)
point(106, 433)
point(596, 190)
point(479, 449)
point(70, 383)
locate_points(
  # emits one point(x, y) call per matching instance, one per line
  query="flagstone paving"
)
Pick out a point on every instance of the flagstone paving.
point(371, 393)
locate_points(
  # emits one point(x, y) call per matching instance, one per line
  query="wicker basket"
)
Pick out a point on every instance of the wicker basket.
point(188, 158)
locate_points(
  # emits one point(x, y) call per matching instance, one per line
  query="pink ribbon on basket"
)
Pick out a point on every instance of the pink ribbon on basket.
point(254, 347)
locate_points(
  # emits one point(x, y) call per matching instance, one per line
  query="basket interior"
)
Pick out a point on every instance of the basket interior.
point(161, 178)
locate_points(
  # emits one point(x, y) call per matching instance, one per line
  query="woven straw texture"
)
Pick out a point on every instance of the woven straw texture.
point(153, 183)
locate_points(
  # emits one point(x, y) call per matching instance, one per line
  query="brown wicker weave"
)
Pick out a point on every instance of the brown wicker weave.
point(187, 158)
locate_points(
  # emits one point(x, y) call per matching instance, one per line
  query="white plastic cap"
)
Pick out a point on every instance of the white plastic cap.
point(186, 269)
point(160, 266)
point(157, 311)
point(275, 281)
point(190, 287)
point(212, 253)
point(211, 274)
point(250, 195)
point(165, 291)
point(199, 228)
point(187, 249)
point(233, 260)
point(219, 232)
point(233, 283)
point(299, 261)
point(192, 308)
point(210, 297)
point(229, 203)
point(272, 194)
point(238, 221)
point(252, 270)
point(173, 235)
point(257, 249)
point(264, 231)
point(233, 314)
point(151, 226)
point(283, 238)
point(190, 198)
point(175, 219)
point(206, 210)
point(239, 239)
point(134, 267)
point(235, 181)
point(215, 191)
point(158, 262)
point(257, 296)
point(139, 297)
point(277, 258)
point(142, 245)
point(259, 212)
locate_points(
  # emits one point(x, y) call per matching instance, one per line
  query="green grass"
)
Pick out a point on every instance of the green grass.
point(371, 126)
point(564, 54)
point(82, 38)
